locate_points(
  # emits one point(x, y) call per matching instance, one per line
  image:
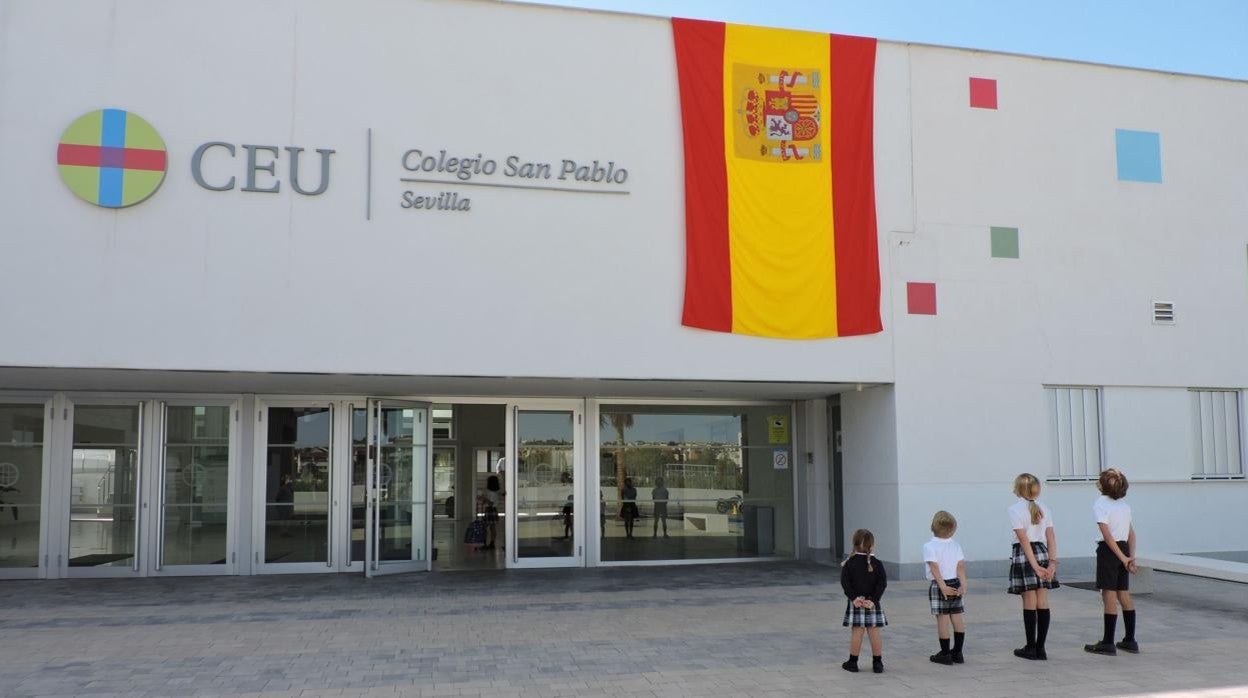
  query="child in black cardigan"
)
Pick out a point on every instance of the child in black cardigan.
point(864, 580)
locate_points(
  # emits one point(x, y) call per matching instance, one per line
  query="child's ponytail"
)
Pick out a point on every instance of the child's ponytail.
point(1027, 486)
point(864, 542)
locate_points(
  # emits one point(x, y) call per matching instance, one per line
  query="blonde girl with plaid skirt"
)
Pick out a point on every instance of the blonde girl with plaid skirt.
point(1033, 563)
point(946, 570)
point(864, 580)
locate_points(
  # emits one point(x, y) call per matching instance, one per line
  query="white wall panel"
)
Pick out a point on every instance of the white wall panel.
point(528, 283)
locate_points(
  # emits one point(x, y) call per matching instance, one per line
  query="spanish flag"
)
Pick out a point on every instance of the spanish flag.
point(779, 181)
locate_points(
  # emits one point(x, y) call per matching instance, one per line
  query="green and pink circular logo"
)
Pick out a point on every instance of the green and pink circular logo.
point(112, 158)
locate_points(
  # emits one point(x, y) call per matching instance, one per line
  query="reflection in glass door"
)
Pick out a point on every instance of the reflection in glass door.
point(543, 472)
point(398, 487)
point(194, 487)
point(296, 482)
point(105, 486)
point(22, 438)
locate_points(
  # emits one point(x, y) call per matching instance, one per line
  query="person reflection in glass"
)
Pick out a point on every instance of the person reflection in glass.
point(491, 500)
point(660, 496)
point(628, 509)
point(285, 500)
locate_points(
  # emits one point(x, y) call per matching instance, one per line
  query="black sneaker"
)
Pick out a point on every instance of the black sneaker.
point(850, 665)
point(1041, 654)
point(1026, 653)
point(877, 665)
point(957, 657)
point(942, 657)
point(1129, 646)
point(1105, 648)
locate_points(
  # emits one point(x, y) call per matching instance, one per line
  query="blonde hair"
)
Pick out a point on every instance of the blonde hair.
point(1027, 486)
point(863, 541)
point(1113, 483)
point(943, 524)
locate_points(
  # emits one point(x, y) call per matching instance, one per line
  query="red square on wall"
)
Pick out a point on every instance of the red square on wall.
point(983, 93)
point(921, 298)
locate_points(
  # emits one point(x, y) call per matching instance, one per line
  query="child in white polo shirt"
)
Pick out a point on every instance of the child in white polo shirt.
point(946, 569)
point(1115, 561)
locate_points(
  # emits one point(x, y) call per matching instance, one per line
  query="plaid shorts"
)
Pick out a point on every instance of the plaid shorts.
point(940, 605)
point(864, 617)
point(1022, 577)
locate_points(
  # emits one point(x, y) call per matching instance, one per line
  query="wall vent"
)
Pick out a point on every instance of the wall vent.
point(1163, 313)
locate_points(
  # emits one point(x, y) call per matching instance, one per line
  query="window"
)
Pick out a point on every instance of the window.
point(707, 482)
point(1074, 432)
point(443, 422)
point(1215, 423)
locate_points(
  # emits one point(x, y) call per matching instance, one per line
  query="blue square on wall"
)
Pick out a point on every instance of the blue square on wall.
point(1139, 155)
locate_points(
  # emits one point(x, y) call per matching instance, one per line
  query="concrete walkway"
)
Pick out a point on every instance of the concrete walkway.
point(746, 629)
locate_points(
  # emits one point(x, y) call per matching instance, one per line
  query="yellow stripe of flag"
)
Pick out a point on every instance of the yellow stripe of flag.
point(783, 261)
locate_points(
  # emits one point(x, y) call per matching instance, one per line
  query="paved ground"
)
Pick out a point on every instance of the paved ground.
point(747, 629)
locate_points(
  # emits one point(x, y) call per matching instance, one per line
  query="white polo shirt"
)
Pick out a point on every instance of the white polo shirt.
point(1020, 517)
point(946, 553)
point(1115, 513)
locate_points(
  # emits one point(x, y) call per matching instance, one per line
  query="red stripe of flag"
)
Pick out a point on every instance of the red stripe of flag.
point(708, 269)
point(853, 185)
point(82, 155)
point(143, 159)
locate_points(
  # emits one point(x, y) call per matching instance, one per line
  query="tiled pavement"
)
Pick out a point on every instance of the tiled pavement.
point(744, 629)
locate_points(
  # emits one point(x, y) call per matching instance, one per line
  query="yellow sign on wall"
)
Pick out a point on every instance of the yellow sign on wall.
point(778, 429)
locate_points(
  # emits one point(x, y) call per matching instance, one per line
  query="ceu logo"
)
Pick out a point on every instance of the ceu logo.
point(112, 158)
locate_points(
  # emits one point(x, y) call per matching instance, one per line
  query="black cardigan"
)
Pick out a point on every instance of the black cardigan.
point(857, 581)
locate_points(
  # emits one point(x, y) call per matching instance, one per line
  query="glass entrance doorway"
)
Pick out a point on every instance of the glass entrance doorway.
point(545, 481)
point(398, 479)
point(143, 487)
point(296, 474)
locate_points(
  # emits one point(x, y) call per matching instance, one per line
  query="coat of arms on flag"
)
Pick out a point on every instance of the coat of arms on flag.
point(779, 116)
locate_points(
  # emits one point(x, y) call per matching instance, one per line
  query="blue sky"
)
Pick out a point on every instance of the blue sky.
point(1204, 37)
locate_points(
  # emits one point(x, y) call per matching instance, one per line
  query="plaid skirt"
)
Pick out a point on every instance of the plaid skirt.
point(1022, 577)
point(864, 617)
point(940, 605)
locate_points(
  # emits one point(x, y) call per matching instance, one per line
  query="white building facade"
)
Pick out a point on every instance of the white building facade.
point(355, 261)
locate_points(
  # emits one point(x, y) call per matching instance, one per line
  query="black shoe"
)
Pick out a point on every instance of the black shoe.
point(942, 657)
point(849, 665)
point(877, 665)
point(1026, 653)
point(1041, 654)
point(1129, 646)
point(957, 657)
point(1102, 647)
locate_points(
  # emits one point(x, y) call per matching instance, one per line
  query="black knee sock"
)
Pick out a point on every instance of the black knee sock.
point(958, 638)
point(1042, 627)
point(944, 644)
point(1029, 627)
point(1111, 620)
point(1128, 624)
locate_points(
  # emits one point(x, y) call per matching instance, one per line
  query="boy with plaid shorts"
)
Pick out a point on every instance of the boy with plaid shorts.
point(946, 570)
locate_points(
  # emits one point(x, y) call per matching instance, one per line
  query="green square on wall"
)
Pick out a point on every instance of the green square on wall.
point(1005, 242)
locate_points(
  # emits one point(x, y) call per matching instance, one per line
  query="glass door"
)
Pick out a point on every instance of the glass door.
point(105, 503)
point(545, 485)
point(193, 489)
point(294, 486)
point(398, 479)
point(24, 440)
